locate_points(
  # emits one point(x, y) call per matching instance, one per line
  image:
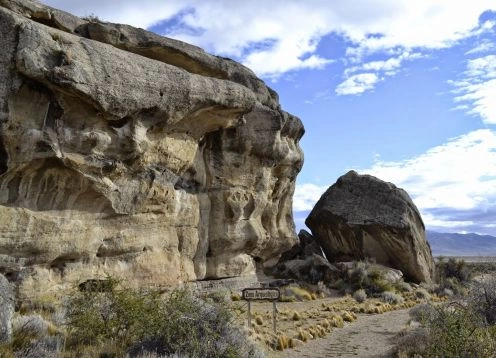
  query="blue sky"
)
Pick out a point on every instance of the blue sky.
point(403, 90)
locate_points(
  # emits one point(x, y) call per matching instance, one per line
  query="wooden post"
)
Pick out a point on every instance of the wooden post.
point(274, 312)
point(249, 315)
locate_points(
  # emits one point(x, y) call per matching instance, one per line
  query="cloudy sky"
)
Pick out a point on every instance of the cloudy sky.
point(401, 89)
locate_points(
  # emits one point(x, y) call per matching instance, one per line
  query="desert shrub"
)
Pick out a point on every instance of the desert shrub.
point(392, 298)
point(358, 274)
point(430, 287)
point(402, 286)
point(449, 330)
point(46, 347)
point(454, 331)
point(144, 322)
point(35, 324)
point(445, 292)
point(364, 276)
point(453, 272)
point(422, 312)
point(45, 305)
point(92, 18)
point(451, 283)
point(291, 293)
point(410, 343)
point(483, 299)
point(422, 294)
point(32, 336)
point(96, 316)
point(360, 295)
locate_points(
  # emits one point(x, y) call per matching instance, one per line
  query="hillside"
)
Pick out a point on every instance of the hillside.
point(454, 244)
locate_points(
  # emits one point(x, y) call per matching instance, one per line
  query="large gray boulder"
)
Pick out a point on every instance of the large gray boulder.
point(126, 153)
point(7, 303)
point(361, 216)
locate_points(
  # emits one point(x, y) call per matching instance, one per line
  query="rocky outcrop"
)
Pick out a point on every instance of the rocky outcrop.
point(305, 262)
point(361, 216)
point(6, 309)
point(126, 153)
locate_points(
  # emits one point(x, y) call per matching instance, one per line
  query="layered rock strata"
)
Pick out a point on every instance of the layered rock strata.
point(361, 217)
point(126, 153)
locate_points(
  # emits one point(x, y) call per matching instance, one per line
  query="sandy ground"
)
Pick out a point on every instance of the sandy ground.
point(369, 336)
point(366, 335)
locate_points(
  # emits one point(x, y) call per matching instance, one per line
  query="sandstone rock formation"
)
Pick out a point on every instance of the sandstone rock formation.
point(361, 216)
point(124, 152)
point(6, 309)
point(305, 262)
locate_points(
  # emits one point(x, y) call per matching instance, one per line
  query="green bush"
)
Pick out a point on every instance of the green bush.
point(402, 286)
point(422, 294)
point(364, 276)
point(450, 330)
point(454, 331)
point(360, 295)
point(453, 268)
point(484, 299)
point(32, 337)
point(392, 298)
point(144, 322)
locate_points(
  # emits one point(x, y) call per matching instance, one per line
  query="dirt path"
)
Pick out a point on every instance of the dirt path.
point(369, 336)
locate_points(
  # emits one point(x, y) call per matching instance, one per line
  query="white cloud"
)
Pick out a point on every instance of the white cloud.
point(321, 95)
point(374, 72)
point(484, 46)
point(453, 185)
point(274, 37)
point(357, 84)
point(387, 66)
point(459, 176)
point(306, 195)
point(478, 88)
point(484, 67)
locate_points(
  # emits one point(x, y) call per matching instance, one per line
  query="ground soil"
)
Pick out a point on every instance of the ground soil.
point(369, 336)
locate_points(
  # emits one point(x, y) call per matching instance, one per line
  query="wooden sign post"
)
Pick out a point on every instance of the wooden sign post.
point(262, 294)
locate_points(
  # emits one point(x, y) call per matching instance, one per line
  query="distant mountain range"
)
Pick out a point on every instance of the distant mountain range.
point(450, 244)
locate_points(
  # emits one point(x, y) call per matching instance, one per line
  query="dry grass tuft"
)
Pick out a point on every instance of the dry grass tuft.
point(336, 321)
point(303, 335)
point(282, 342)
point(296, 316)
point(347, 316)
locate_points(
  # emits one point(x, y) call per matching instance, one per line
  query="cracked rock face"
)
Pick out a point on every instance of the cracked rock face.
point(361, 217)
point(7, 303)
point(126, 153)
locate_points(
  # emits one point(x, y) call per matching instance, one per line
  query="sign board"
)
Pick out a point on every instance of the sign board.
point(252, 294)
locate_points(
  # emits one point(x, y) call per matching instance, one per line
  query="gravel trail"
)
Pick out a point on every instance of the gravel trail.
point(370, 336)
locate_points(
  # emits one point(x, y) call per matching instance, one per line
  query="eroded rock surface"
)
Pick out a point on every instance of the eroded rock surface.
point(361, 216)
point(305, 262)
point(126, 153)
point(6, 309)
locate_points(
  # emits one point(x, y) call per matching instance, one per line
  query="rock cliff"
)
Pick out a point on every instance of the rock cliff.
point(361, 216)
point(7, 303)
point(127, 153)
